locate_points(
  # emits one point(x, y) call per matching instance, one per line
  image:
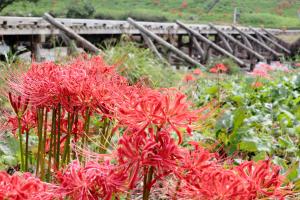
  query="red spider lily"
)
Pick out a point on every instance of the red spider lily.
point(28, 121)
point(219, 68)
point(262, 179)
point(259, 73)
point(20, 187)
point(39, 84)
point(188, 78)
point(157, 150)
point(94, 181)
point(212, 184)
point(196, 160)
point(164, 109)
point(83, 82)
point(257, 84)
point(197, 72)
point(18, 104)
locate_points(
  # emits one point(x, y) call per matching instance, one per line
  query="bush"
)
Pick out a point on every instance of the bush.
point(80, 10)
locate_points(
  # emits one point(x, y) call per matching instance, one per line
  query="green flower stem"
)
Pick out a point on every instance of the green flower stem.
point(43, 151)
point(66, 154)
point(86, 128)
point(21, 142)
point(58, 137)
point(26, 151)
point(52, 139)
point(40, 135)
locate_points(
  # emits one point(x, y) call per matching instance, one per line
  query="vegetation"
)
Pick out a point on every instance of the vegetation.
point(78, 125)
point(137, 64)
point(271, 13)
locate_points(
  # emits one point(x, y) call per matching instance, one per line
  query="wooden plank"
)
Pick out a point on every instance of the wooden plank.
point(69, 32)
point(238, 43)
point(164, 43)
point(275, 53)
point(271, 41)
point(212, 44)
point(36, 26)
point(151, 46)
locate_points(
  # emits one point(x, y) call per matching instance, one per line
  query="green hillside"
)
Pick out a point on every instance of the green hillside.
point(270, 13)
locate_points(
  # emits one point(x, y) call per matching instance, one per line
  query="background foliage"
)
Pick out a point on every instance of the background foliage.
point(270, 13)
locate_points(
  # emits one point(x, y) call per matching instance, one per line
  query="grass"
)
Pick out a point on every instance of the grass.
point(269, 13)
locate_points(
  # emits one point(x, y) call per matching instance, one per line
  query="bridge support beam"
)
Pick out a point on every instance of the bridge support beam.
point(238, 43)
point(271, 41)
point(69, 32)
point(172, 48)
point(275, 53)
point(212, 44)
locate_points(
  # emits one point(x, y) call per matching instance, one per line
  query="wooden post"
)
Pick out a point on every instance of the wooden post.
point(152, 47)
point(164, 43)
point(257, 42)
point(235, 15)
point(199, 48)
point(179, 41)
point(72, 49)
point(69, 32)
point(238, 43)
point(36, 49)
point(212, 44)
point(190, 45)
point(271, 41)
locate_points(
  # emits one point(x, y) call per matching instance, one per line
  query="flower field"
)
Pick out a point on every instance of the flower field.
point(79, 129)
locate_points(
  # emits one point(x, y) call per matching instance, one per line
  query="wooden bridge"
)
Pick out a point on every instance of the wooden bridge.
point(175, 42)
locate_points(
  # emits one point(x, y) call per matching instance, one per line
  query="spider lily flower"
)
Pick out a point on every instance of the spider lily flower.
point(212, 184)
point(262, 179)
point(17, 187)
point(28, 121)
point(257, 84)
point(188, 78)
point(148, 149)
point(197, 72)
point(219, 68)
point(166, 109)
point(18, 104)
point(90, 182)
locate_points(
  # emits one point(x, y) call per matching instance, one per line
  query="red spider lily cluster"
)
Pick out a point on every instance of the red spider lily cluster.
point(219, 68)
point(17, 187)
point(57, 104)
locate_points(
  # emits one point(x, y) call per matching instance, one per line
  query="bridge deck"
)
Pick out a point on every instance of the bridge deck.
point(38, 26)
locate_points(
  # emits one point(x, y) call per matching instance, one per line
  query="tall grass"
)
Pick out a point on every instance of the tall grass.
point(138, 64)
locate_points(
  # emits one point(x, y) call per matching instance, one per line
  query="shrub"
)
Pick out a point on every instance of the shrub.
point(80, 10)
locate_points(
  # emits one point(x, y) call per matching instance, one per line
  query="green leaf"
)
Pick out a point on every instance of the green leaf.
point(260, 156)
point(238, 119)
